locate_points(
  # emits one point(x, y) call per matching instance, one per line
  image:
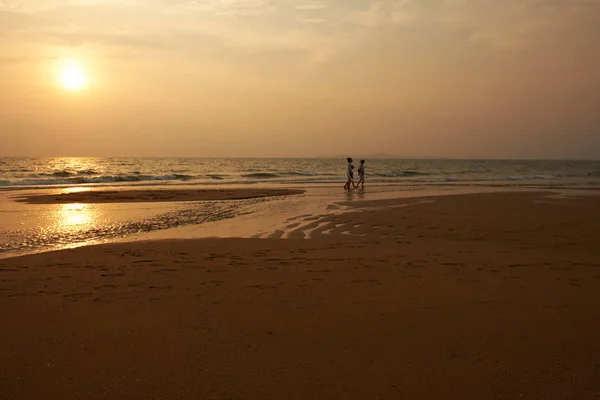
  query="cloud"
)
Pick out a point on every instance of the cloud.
point(317, 31)
point(492, 24)
point(312, 6)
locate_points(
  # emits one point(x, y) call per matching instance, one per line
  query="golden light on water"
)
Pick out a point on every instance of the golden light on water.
point(75, 215)
point(76, 189)
point(72, 76)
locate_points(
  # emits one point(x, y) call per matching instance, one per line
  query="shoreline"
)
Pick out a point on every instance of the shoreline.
point(75, 217)
point(406, 184)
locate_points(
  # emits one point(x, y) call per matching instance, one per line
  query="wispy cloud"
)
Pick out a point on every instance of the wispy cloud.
point(311, 6)
point(321, 30)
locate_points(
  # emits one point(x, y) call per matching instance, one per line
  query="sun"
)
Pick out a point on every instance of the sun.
point(72, 76)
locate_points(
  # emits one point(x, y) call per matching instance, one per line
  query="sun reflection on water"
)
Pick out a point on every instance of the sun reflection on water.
point(76, 189)
point(75, 216)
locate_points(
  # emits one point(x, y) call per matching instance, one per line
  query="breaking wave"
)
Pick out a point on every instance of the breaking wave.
point(261, 175)
point(99, 179)
point(400, 174)
point(292, 173)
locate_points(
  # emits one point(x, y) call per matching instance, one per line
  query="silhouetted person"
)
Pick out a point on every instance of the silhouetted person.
point(349, 174)
point(361, 175)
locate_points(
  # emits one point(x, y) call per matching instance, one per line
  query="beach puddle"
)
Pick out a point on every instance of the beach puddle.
point(73, 225)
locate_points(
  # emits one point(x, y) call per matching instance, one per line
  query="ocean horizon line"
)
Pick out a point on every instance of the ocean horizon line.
point(343, 157)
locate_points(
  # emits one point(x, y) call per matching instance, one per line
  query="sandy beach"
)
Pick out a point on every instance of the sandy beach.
point(450, 297)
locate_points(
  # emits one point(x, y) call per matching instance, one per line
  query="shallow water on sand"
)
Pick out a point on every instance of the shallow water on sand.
point(30, 228)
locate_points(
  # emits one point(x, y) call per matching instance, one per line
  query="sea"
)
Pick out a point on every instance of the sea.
point(18, 173)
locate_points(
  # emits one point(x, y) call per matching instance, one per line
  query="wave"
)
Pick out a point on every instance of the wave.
point(216, 177)
point(581, 175)
point(400, 174)
point(531, 178)
point(292, 173)
point(471, 171)
point(65, 173)
point(87, 172)
point(18, 170)
point(486, 179)
point(261, 175)
point(62, 174)
point(182, 177)
point(99, 179)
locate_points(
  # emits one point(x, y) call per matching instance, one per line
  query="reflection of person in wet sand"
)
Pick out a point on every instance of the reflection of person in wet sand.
point(361, 175)
point(349, 174)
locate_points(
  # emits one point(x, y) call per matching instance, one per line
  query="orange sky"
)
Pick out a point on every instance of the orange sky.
point(296, 78)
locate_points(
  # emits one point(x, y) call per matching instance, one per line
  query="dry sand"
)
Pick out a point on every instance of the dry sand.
point(492, 296)
point(162, 195)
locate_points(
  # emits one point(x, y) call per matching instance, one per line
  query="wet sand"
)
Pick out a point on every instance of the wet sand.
point(487, 296)
point(161, 195)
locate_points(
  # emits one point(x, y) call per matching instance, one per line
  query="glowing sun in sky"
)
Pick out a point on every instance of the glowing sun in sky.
point(72, 76)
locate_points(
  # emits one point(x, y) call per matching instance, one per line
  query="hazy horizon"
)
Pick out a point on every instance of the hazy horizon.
point(355, 156)
point(460, 79)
